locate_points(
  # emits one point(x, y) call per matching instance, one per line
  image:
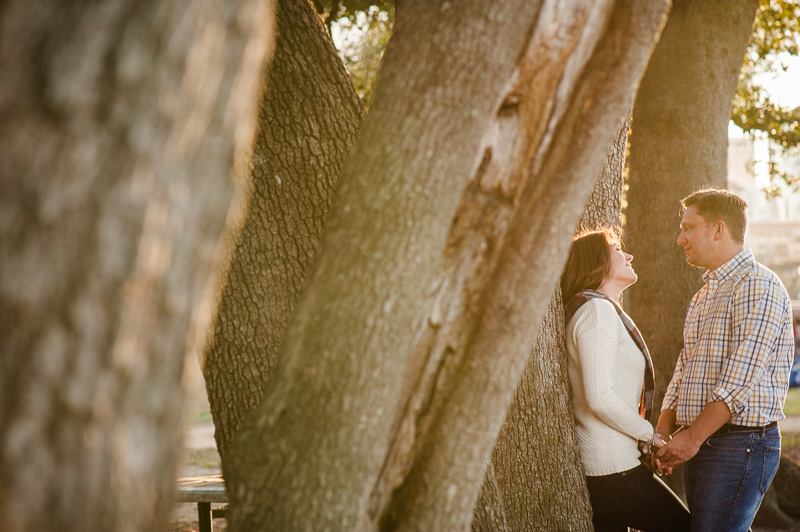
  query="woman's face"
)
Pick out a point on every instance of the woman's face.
point(620, 270)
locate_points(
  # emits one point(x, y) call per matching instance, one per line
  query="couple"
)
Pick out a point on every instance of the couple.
point(727, 391)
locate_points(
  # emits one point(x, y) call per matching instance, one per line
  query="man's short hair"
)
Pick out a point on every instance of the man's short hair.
point(718, 204)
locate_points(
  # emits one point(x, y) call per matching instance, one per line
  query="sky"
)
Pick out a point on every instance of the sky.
point(785, 86)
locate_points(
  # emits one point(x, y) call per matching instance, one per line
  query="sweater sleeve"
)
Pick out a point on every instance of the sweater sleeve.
point(596, 335)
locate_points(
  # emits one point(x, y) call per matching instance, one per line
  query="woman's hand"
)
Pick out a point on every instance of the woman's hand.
point(653, 463)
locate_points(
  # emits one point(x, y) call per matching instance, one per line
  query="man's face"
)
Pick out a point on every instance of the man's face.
point(697, 238)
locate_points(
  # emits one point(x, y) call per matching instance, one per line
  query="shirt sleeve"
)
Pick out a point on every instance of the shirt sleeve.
point(757, 316)
point(597, 337)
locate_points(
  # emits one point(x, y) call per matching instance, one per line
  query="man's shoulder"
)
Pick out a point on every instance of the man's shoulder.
point(757, 279)
point(755, 272)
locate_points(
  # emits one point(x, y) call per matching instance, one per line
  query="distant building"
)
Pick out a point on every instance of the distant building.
point(773, 231)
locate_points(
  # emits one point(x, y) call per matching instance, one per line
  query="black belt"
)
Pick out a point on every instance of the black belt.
point(728, 428)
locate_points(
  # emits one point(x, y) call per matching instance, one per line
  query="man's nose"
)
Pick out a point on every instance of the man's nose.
point(681, 239)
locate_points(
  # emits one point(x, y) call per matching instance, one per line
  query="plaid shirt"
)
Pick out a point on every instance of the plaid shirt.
point(738, 346)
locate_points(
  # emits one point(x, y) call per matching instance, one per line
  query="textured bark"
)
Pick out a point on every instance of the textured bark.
point(536, 462)
point(605, 204)
point(307, 123)
point(490, 512)
point(679, 143)
point(464, 187)
point(120, 121)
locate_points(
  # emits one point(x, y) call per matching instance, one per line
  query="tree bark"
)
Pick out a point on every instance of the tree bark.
point(536, 461)
point(465, 185)
point(307, 123)
point(120, 122)
point(490, 511)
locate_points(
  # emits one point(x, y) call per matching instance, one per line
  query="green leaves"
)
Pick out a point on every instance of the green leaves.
point(776, 33)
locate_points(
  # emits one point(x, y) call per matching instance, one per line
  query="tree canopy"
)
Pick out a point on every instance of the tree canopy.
point(775, 35)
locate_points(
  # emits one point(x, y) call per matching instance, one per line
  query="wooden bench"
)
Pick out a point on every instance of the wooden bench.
point(204, 490)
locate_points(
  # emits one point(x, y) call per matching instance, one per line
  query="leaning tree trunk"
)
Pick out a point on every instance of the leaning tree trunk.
point(446, 236)
point(307, 123)
point(119, 125)
point(537, 439)
point(678, 144)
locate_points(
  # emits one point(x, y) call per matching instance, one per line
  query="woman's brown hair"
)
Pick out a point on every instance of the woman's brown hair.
point(589, 261)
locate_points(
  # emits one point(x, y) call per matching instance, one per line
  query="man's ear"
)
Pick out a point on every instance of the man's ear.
point(719, 230)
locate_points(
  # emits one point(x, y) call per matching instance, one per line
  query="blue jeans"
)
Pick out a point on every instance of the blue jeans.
point(636, 499)
point(727, 478)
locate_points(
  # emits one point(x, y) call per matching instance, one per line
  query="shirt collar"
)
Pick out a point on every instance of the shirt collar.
point(735, 264)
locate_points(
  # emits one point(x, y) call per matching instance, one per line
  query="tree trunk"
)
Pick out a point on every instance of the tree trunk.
point(536, 462)
point(307, 123)
point(120, 122)
point(464, 187)
point(678, 144)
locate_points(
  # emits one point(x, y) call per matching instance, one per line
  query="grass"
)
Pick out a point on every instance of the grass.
point(202, 417)
point(792, 406)
point(207, 458)
point(790, 441)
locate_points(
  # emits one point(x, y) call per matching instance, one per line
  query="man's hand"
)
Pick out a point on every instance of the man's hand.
point(684, 445)
point(655, 465)
point(678, 450)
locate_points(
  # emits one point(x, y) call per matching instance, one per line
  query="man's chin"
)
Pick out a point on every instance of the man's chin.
point(692, 263)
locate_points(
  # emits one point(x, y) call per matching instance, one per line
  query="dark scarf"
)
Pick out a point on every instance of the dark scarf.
point(572, 306)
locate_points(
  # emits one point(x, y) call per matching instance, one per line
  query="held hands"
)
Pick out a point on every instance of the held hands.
point(649, 449)
point(678, 450)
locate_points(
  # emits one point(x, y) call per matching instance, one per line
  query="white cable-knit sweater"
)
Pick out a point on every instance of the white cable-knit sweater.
point(606, 372)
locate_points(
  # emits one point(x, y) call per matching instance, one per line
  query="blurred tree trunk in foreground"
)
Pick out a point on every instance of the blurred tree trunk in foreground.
point(307, 122)
point(448, 231)
point(120, 124)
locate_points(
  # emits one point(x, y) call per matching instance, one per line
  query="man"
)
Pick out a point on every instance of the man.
point(731, 378)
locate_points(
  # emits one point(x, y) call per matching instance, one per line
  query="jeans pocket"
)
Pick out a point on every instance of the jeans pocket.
point(772, 457)
point(735, 443)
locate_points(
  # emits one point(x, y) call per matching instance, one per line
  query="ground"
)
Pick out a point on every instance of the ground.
point(200, 458)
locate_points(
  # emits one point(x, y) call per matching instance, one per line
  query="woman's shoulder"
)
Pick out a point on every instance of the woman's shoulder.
point(597, 305)
point(596, 309)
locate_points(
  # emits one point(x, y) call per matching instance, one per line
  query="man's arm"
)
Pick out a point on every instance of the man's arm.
point(686, 444)
point(666, 422)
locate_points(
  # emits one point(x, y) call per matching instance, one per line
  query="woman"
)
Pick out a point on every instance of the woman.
point(611, 382)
